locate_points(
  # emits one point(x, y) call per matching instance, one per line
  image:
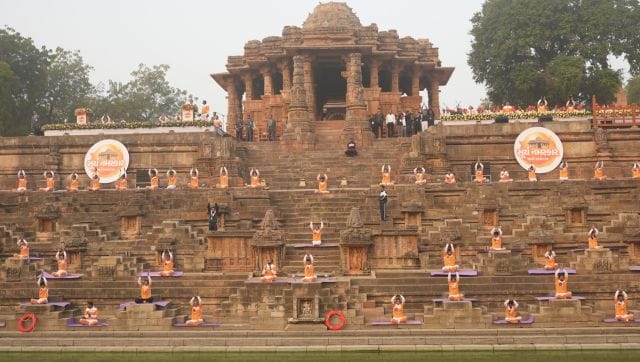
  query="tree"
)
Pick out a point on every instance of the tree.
point(516, 43)
point(633, 90)
point(8, 88)
point(68, 85)
point(604, 84)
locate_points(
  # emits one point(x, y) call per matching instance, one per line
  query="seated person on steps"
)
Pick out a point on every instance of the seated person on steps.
point(397, 302)
point(194, 179)
point(154, 180)
point(50, 179)
point(504, 175)
point(61, 259)
point(323, 187)
point(22, 182)
point(420, 176)
point(121, 184)
point(351, 149)
point(24, 249)
point(90, 315)
point(95, 181)
point(196, 312)
point(224, 177)
point(496, 239)
point(454, 287)
point(268, 272)
point(73, 184)
point(593, 238)
point(43, 293)
point(622, 313)
point(479, 172)
point(449, 257)
point(172, 180)
point(531, 174)
point(564, 170)
point(167, 263)
point(386, 175)
point(449, 177)
point(511, 311)
point(562, 284)
point(550, 260)
point(309, 274)
point(145, 290)
point(254, 176)
point(598, 172)
point(635, 170)
point(316, 238)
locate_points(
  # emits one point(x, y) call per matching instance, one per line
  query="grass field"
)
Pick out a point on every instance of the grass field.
point(511, 356)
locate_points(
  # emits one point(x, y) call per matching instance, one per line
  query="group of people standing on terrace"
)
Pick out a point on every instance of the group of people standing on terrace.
point(403, 124)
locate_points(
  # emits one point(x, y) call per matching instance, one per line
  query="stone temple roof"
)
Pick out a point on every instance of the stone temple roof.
point(332, 15)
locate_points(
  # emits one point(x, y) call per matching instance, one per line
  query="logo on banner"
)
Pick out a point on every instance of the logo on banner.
point(109, 157)
point(539, 147)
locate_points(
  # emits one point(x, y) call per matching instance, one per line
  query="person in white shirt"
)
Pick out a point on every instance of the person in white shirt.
point(390, 120)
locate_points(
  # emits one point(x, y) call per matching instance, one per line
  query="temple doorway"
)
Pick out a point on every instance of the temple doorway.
point(331, 89)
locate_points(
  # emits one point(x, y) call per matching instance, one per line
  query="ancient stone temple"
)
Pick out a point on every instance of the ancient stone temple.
point(331, 73)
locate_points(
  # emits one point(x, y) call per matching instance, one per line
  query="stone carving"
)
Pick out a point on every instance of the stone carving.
point(14, 273)
point(602, 266)
point(355, 233)
point(330, 16)
point(269, 233)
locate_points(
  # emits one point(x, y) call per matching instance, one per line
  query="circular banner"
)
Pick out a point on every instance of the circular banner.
point(539, 147)
point(109, 157)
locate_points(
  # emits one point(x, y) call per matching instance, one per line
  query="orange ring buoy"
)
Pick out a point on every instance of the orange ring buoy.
point(335, 327)
point(23, 319)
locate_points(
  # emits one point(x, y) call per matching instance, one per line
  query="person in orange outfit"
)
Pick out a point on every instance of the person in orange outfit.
point(145, 290)
point(121, 184)
point(172, 180)
point(43, 293)
point(73, 184)
point(154, 180)
point(562, 284)
point(620, 301)
point(386, 175)
point(420, 178)
point(598, 172)
point(95, 181)
point(61, 259)
point(593, 238)
point(268, 272)
point(167, 263)
point(316, 233)
point(449, 177)
point(397, 303)
point(254, 178)
point(309, 274)
point(564, 171)
point(635, 170)
point(542, 105)
point(531, 174)
point(454, 287)
point(504, 176)
point(449, 256)
point(550, 260)
point(50, 179)
point(90, 315)
point(479, 173)
point(194, 179)
point(511, 311)
point(224, 177)
point(22, 182)
point(496, 239)
point(24, 249)
point(323, 184)
point(196, 312)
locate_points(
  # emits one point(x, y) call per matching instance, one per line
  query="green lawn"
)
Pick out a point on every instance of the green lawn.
point(511, 356)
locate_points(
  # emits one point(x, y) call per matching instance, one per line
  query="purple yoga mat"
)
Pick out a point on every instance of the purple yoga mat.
point(462, 272)
point(68, 276)
point(57, 304)
point(634, 268)
point(34, 258)
point(613, 320)
point(442, 300)
point(277, 281)
point(554, 298)
point(157, 274)
point(319, 281)
point(548, 272)
point(205, 324)
point(2, 325)
point(577, 250)
point(411, 323)
point(529, 320)
point(161, 304)
point(309, 245)
point(72, 323)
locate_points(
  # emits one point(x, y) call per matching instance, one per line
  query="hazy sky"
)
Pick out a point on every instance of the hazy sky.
point(195, 37)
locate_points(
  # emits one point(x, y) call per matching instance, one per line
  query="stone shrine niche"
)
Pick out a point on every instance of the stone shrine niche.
point(538, 251)
point(634, 250)
point(575, 216)
point(268, 243)
point(489, 217)
point(47, 225)
point(48, 218)
point(230, 252)
point(355, 242)
point(130, 225)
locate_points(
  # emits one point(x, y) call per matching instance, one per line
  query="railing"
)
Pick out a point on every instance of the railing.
point(615, 116)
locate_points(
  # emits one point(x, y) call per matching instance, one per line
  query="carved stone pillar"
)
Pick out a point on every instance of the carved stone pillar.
point(298, 129)
point(415, 81)
point(434, 98)
point(395, 77)
point(248, 86)
point(233, 104)
point(356, 126)
point(268, 84)
point(309, 86)
point(286, 75)
point(373, 76)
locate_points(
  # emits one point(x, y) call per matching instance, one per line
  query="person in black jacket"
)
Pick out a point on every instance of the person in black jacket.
point(213, 216)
